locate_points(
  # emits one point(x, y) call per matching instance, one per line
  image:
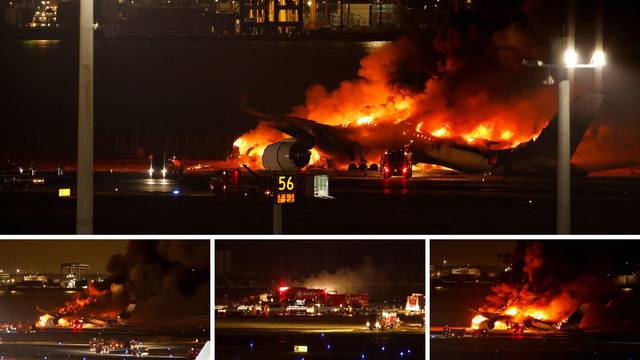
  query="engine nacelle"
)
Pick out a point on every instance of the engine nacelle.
point(487, 325)
point(285, 155)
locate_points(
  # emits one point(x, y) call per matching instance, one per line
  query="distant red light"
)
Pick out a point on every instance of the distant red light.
point(404, 170)
point(283, 288)
point(386, 169)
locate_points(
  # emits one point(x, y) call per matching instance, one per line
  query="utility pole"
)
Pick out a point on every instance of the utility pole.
point(563, 210)
point(563, 186)
point(84, 195)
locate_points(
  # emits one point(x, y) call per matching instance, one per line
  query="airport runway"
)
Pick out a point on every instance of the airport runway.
point(430, 203)
point(308, 325)
point(537, 346)
point(273, 339)
point(62, 344)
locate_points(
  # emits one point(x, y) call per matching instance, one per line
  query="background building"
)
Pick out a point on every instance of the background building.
point(504, 263)
point(73, 275)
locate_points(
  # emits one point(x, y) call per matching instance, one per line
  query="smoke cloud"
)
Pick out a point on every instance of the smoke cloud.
point(467, 83)
point(347, 280)
point(167, 280)
point(550, 281)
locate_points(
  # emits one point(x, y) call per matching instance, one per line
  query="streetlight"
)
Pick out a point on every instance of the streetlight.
point(570, 58)
point(598, 58)
point(563, 191)
point(84, 198)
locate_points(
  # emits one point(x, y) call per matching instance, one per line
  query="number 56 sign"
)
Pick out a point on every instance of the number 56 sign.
point(285, 189)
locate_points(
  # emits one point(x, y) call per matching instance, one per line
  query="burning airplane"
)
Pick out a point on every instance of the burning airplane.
point(342, 144)
point(461, 102)
point(520, 320)
point(548, 294)
point(165, 277)
point(86, 310)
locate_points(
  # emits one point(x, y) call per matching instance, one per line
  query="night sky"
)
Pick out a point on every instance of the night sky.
point(593, 256)
point(474, 252)
point(311, 256)
point(45, 256)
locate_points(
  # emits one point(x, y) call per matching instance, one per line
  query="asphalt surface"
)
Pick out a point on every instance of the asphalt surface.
point(338, 338)
point(430, 203)
point(504, 345)
point(62, 344)
point(319, 324)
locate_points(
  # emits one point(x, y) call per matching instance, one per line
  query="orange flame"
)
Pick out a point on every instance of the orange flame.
point(374, 100)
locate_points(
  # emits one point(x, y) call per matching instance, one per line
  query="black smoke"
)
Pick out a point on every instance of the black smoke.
point(168, 280)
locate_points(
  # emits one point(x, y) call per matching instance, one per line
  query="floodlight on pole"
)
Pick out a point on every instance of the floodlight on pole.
point(563, 189)
point(84, 198)
point(570, 58)
point(598, 59)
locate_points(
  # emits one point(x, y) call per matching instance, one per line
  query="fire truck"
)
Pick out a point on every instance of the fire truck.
point(396, 163)
point(382, 321)
point(301, 300)
point(171, 167)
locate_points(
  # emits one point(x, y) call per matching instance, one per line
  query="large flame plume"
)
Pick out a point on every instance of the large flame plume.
point(467, 85)
point(550, 289)
point(164, 281)
point(86, 304)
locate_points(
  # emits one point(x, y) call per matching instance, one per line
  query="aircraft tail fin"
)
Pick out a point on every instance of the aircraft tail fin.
point(541, 154)
point(573, 322)
point(126, 313)
point(584, 110)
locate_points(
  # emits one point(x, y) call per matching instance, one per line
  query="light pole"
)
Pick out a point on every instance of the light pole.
point(84, 195)
point(563, 187)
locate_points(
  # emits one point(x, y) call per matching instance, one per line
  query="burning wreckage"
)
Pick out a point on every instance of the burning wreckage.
point(314, 144)
point(72, 316)
point(550, 296)
point(298, 301)
point(444, 103)
point(152, 278)
point(302, 301)
point(519, 320)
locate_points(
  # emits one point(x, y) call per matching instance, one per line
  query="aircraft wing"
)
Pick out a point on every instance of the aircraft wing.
point(534, 157)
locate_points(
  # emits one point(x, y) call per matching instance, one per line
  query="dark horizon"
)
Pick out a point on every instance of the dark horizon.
point(306, 257)
point(472, 252)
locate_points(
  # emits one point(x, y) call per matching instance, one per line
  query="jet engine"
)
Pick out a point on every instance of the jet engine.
point(286, 155)
point(488, 324)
